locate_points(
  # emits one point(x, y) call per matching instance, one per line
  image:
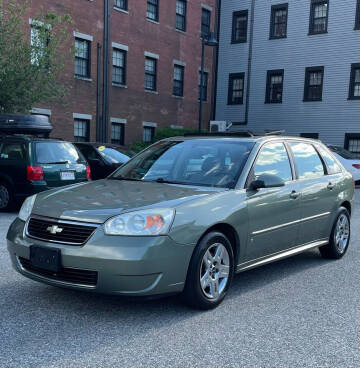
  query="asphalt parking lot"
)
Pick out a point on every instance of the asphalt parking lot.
point(300, 312)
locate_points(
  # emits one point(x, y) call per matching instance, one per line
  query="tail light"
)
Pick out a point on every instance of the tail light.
point(88, 172)
point(357, 166)
point(35, 173)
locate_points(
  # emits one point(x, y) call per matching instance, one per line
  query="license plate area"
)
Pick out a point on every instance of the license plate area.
point(67, 175)
point(46, 259)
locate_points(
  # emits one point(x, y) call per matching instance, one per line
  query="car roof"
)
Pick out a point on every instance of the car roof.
point(29, 138)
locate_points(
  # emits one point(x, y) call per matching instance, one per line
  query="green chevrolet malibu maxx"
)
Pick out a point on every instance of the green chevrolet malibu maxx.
point(185, 215)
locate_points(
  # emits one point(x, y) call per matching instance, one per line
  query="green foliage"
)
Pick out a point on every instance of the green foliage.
point(31, 62)
point(162, 133)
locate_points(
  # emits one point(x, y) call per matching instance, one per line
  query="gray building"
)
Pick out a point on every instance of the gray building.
point(292, 66)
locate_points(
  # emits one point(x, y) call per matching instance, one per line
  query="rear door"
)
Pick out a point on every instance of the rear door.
point(60, 161)
point(13, 162)
point(273, 212)
point(318, 192)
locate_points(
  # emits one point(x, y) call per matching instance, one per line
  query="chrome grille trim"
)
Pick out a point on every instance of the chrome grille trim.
point(60, 222)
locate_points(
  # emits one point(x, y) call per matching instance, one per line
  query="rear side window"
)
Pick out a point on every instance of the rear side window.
point(333, 167)
point(273, 159)
point(13, 152)
point(307, 160)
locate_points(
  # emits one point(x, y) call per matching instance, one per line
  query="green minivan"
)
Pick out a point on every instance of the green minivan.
point(30, 165)
point(185, 215)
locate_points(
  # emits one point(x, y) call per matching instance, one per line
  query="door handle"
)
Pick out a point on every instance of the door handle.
point(294, 194)
point(331, 186)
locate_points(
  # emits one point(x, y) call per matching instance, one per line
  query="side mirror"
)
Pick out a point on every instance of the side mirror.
point(267, 181)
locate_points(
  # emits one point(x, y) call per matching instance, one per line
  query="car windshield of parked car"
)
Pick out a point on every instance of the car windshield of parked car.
point(201, 162)
point(344, 153)
point(56, 152)
point(112, 155)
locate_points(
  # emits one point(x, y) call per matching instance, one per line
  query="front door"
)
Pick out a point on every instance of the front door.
point(273, 212)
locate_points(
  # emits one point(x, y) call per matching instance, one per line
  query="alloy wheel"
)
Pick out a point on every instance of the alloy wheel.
point(342, 233)
point(214, 271)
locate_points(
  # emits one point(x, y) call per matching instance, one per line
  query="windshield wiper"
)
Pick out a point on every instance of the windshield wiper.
point(56, 163)
point(124, 178)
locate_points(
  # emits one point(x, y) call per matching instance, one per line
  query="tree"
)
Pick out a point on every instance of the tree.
point(31, 62)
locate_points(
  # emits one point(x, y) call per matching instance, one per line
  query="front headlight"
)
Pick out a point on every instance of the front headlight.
point(26, 208)
point(142, 223)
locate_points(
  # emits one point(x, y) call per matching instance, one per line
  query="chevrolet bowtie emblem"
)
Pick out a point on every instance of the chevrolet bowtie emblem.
point(54, 229)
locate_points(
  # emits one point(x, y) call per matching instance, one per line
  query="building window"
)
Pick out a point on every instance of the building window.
point(274, 86)
point(239, 26)
point(236, 89)
point(357, 17)
point(149, 133)
point(121, 4)
point(278, 22)
point(119, 67)
point(178, 89)
point(203, 90)
point(39, 40)
point(354, 90)
point(150, 74)
point(82, 58)
point(117, 133)
point(205, 23)
point(352, 143)
point(319, 13)
point(81, 130)
point(314, 78)
point(181, 15)
point(152, 11)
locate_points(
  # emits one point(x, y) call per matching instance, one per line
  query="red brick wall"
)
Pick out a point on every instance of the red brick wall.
point(140, 35)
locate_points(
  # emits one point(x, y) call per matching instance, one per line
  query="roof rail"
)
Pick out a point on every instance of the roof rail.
point(274, 132)
point(243, 134)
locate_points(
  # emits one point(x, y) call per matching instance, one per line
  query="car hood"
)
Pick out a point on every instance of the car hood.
point(99, 200)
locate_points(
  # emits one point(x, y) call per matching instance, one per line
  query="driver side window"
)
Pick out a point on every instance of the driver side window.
point(274, 160)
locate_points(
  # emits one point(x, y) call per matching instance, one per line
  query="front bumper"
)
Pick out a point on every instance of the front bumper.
point(133, 266)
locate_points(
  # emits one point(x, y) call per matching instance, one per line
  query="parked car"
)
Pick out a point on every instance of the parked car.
point(164, 224)
point(30, 165)
point(350, 161)
point(102, 158)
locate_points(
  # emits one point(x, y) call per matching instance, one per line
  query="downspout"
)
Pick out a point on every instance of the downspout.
point(216, 61)
point(98, 94)
point(248, 83)
point(106, 88)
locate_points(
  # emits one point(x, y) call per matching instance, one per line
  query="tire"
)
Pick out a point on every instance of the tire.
point(212, 258)
point(6, 197)
point(339, 238)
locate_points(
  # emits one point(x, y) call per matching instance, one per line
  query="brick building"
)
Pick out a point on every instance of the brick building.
point(154, 57)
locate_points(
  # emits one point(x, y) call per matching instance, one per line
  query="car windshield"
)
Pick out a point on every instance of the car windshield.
point(56, 153)
point(112, 155)
point(201, 162)
point(343, 153)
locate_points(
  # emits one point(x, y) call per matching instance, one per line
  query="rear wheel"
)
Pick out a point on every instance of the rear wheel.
point(210, 272)
point(340, 236)
point(6, 198)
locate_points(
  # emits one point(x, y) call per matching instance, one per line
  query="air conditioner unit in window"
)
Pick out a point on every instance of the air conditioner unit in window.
point(218, 126)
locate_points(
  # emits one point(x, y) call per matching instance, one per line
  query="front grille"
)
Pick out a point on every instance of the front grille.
point(67, 232)
point(71, 275)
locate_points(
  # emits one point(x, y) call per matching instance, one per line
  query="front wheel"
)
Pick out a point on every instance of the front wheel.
point(210, 272)
point(340, 236)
